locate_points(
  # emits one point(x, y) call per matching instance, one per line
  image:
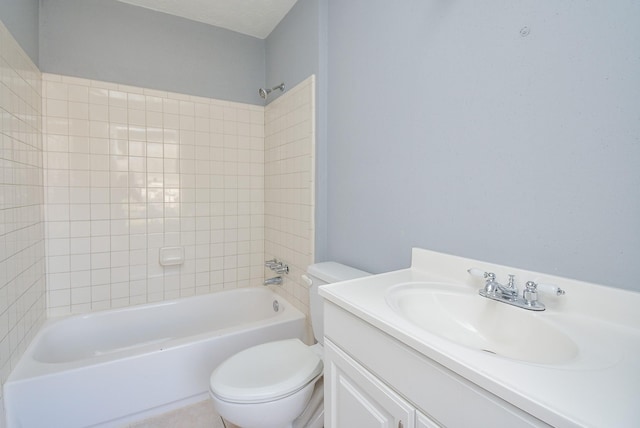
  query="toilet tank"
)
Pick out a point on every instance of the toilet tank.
point(326, 273)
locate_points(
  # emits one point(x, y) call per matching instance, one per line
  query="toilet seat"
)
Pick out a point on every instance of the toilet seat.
point(266, 372)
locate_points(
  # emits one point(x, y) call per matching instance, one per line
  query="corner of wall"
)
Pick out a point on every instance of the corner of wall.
point(22, 262)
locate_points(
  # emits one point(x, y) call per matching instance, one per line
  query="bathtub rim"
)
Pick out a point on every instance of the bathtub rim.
point(29, 367)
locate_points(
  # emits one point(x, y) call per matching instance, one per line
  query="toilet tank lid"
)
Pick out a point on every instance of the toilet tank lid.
point(330, 272)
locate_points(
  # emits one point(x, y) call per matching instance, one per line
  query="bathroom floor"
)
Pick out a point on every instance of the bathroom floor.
point(199, 415)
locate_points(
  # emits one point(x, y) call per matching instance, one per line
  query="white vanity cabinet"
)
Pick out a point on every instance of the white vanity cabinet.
point(423, 421)
point(373, 380)
point(436, 351)
point(356, 398)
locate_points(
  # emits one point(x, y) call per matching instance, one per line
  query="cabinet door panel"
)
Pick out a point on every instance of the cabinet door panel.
point(357, 399)
point(423, 421)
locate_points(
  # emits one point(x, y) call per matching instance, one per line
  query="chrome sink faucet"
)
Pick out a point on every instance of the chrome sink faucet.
point(509, 293)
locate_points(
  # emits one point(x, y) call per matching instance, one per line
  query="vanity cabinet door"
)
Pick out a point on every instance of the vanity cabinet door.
point(424, 421)
point(355, 398)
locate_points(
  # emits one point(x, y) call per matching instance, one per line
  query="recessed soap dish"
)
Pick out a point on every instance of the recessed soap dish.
point(171, 256)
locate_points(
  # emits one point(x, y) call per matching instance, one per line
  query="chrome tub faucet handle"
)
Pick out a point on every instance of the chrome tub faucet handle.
point(278, 267)
point(270, 263)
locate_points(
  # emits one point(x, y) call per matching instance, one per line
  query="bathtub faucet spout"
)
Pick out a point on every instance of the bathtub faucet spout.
point(276, 280)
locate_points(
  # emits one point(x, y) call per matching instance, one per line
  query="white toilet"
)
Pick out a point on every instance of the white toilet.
point(275, 385)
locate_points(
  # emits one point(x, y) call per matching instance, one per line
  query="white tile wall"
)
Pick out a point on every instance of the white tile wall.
point(290, 186)
point(22, 265)
point(130, 170)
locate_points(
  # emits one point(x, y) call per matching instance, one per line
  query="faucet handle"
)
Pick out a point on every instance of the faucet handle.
point(530, 293)
point(490, 285)
point(480, 273)
point(271, 263)
point(550, 288)
point(281, 268)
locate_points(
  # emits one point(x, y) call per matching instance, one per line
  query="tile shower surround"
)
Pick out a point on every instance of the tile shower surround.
point(22, 240)
point(290, 187)
point(129, 170)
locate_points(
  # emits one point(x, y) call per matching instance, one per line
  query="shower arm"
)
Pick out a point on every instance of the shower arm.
point(264, 92)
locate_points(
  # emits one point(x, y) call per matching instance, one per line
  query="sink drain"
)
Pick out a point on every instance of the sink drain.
point(276, 306)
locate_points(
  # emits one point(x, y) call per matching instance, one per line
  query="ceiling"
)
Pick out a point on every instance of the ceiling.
point(255, 18)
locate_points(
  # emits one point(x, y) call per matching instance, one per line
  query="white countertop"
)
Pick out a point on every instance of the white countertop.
point(600, 387)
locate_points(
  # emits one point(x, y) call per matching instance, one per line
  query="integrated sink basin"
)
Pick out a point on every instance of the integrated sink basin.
point(462, 316)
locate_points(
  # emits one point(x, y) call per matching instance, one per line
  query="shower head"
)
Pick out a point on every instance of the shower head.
point(265, 92)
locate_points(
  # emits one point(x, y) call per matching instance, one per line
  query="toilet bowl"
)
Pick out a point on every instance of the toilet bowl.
point(275, 385)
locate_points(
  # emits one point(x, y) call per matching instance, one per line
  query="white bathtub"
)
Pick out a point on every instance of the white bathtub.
point(113, 367)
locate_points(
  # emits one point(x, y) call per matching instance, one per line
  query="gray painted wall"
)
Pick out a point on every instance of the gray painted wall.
point(21, 19)
point(292, 47)
point(450, 128)
point(295, 49)
point(443, 126)
point(116, 42)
